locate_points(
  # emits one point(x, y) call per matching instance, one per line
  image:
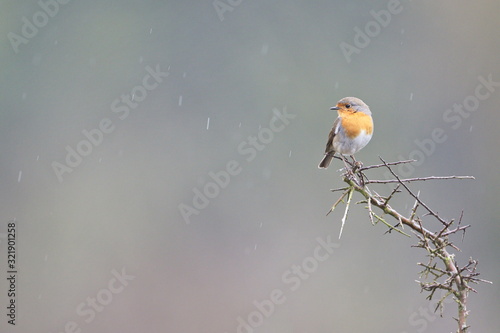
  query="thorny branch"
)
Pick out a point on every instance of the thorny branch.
point(441, 272)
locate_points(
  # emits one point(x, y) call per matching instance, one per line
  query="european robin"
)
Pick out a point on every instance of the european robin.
point(351, 131)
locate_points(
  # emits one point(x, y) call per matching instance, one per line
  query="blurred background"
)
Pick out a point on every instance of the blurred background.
point(116, 115)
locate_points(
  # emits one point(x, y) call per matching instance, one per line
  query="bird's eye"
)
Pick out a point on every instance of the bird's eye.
point(348, 106)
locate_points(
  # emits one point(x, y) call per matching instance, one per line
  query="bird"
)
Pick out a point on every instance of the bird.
point(351, 131)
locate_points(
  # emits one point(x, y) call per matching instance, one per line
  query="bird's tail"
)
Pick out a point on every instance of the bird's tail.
point(325, 162)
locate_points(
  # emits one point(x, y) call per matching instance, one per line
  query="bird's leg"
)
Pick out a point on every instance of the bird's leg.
point(357, 166)
point(348, 169)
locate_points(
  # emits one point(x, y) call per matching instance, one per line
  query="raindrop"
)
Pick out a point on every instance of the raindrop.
point(19, 177)
point(180, 100)
point(150, 31)
point(264, 49)
point(290, 154)
point(208, 122)
point(411, 96)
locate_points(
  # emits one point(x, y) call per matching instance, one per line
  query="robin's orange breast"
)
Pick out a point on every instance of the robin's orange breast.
point(355, 122)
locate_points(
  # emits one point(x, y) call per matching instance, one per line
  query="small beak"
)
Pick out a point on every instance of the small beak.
point(334, 108)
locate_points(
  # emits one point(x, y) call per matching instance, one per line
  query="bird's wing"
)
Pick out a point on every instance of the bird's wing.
point(333, 132)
